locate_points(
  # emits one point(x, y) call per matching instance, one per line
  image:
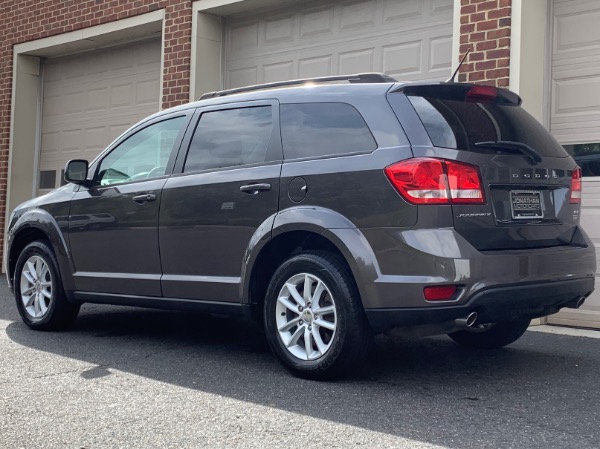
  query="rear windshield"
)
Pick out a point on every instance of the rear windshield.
point(462, 124)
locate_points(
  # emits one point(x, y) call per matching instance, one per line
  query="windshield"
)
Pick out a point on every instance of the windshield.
point(462, 124)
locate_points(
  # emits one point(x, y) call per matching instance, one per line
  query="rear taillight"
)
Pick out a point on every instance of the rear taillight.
point(575, 197)
point(436, 181)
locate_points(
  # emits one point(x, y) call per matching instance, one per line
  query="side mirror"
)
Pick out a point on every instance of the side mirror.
point(76, 171)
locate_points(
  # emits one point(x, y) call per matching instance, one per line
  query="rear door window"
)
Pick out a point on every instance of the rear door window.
point(230, 137)
point(323, 129)
point(462, 125)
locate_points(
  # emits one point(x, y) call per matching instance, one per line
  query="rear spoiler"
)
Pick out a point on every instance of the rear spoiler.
point(461, 92)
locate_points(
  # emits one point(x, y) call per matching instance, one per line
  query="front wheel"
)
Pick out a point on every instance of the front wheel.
point(38, 289)
point(492, 336)
point(314, 320)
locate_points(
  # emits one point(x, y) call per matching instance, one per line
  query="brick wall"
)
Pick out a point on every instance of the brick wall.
point(485, 29)
point(27, 20)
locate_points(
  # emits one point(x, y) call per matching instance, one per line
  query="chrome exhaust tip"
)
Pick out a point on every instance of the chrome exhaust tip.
point(468, 321)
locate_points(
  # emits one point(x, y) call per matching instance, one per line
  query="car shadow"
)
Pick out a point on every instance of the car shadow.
point(429, 390)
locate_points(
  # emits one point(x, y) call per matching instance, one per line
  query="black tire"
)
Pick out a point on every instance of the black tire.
point(497, 336)
point(351, 341)
point(59, 312)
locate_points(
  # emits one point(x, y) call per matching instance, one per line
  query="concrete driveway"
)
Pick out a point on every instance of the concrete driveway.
point(128, 377)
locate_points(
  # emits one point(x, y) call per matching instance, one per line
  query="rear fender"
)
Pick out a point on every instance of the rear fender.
point(348, 239)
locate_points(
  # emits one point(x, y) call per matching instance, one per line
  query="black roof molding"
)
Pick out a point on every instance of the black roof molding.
point(358, 78)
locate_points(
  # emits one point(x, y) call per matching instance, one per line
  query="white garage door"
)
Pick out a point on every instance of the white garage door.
point(575, 120)
point(407, 39)
point(91, 98)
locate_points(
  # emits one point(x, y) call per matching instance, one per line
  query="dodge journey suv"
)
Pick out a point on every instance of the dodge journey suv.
point(327, 210)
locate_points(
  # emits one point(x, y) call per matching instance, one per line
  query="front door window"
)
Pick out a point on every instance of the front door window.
point(142, 156)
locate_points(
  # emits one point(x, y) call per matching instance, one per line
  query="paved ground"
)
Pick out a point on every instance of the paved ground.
point(150, 379)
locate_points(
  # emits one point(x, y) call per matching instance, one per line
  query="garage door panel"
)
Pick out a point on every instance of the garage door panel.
point(242, 77)
point(573, 95)
point(315, 66)
point(96, 99)
point(575, 104)
point(394, 11)
point(91, 98)
point(402, 59)
point(358, 14)
point(576, 30)
point(441, 7)
point(278, 71)
point(355, 61)
point(316, 23)
point(410, 39)
point(440, 50)
point(279, 30)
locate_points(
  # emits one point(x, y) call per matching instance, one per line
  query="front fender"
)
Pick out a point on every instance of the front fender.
point(43, 221)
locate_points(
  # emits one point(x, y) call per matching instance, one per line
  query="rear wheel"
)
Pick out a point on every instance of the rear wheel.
point(314, 320)
point(491, 336)
point(38, 289)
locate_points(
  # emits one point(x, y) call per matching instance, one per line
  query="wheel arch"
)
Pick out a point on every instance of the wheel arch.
point(39, 225)
point(304, 229)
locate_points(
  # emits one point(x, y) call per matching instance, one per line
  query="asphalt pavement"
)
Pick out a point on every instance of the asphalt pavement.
point(135, 378)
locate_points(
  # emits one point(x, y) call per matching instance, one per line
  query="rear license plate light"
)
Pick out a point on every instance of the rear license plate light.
point(526, 204)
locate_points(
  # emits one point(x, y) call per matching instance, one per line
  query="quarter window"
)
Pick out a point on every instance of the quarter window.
point(323, 129)
point(229, 138)
point(144, 155)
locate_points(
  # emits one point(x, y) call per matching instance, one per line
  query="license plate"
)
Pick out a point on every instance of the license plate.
point(526, 204)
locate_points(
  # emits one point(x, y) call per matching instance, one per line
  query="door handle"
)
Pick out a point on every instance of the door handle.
point(144, 198)
point(253, 189)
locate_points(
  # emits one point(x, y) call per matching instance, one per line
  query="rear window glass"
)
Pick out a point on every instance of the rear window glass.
point(229, 138)
point(461, 124)
point(323, 129)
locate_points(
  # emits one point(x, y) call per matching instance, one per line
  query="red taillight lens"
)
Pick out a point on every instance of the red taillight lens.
point(436, 181)
point(575, 186)
point(482, 93)
point(420, 181)
point(439, 292)
point(465, 184)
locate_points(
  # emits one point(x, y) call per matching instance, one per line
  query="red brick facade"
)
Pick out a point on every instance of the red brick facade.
point(27, 20)
point(485, 29)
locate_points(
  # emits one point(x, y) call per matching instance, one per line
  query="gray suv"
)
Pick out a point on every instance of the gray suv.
point(327, 210)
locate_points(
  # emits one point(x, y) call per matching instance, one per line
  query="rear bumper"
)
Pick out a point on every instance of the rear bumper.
point(491, 304)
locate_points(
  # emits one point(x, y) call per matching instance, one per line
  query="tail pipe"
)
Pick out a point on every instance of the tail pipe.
point(577, 303)
point(468, 321)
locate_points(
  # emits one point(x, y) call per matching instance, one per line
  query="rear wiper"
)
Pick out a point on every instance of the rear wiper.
point(510, 145)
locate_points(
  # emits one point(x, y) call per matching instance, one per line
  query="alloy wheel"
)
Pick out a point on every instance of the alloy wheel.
point(306, 316)
point(36, 287)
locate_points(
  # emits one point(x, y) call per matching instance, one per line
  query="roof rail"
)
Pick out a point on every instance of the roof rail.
point(358, 78)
